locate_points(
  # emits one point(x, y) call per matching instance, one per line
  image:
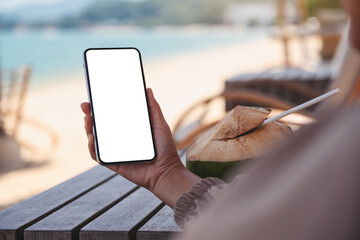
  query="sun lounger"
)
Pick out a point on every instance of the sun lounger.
point(281, 89)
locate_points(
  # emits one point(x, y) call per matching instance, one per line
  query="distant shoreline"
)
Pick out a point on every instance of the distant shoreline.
point(166, 27)
point(104, 27)
point(56, 55)
point(50, 81)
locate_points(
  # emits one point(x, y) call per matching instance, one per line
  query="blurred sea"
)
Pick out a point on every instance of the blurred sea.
point(54, 53)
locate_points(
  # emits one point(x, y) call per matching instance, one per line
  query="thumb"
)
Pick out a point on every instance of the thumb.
point(157, 116)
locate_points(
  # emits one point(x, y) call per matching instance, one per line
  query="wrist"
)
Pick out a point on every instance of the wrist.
point(173, 183)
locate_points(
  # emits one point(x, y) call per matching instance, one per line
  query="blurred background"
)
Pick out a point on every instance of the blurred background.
point(190, 49)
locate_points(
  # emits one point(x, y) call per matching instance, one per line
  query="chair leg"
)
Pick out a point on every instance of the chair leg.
point(23, 91)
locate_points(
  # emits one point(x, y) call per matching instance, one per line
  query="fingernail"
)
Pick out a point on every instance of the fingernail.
point(150, 92)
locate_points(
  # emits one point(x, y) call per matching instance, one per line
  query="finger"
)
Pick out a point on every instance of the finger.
point(155, 110)
point(88, 124)
point(85, 107)
point(91, 146)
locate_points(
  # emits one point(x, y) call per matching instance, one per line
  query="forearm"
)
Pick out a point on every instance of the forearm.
point(176, 182)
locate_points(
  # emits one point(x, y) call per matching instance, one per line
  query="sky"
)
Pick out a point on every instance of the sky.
point(8, 5)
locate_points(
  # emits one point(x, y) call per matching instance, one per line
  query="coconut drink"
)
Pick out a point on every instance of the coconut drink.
point(234, 141)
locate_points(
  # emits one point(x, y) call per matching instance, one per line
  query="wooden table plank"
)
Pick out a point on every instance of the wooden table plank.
point(13, 220)
point(122, 220)
point(67, 221)
point(161, 226)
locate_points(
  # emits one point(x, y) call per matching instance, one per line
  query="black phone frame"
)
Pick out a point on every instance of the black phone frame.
point(97, 151)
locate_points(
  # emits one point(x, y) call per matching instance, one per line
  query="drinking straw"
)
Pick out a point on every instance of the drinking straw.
point(301, 106)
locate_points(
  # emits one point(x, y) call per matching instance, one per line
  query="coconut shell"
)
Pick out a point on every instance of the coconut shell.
point(222, 143)
point(238, 121)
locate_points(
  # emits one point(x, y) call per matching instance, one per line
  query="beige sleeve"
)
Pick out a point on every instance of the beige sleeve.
point(199, 196)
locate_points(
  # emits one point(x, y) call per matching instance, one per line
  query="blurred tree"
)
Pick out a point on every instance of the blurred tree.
point(154, 12)
point(315, 5)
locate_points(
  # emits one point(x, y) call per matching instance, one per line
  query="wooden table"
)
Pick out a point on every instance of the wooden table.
point(97, 204)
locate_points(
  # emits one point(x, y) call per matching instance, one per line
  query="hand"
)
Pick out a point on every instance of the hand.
point(163, 176)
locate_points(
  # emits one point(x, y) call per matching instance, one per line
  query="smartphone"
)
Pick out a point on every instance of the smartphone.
point(117, 94)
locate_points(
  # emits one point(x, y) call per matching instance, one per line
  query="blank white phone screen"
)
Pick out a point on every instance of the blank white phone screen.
point(122, 125)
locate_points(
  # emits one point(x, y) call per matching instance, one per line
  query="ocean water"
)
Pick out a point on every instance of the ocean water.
point(54, 53)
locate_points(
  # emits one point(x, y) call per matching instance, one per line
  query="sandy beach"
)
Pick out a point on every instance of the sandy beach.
point(177, 82)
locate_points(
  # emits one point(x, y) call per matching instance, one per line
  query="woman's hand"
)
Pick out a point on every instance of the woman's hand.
point(166, 176)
